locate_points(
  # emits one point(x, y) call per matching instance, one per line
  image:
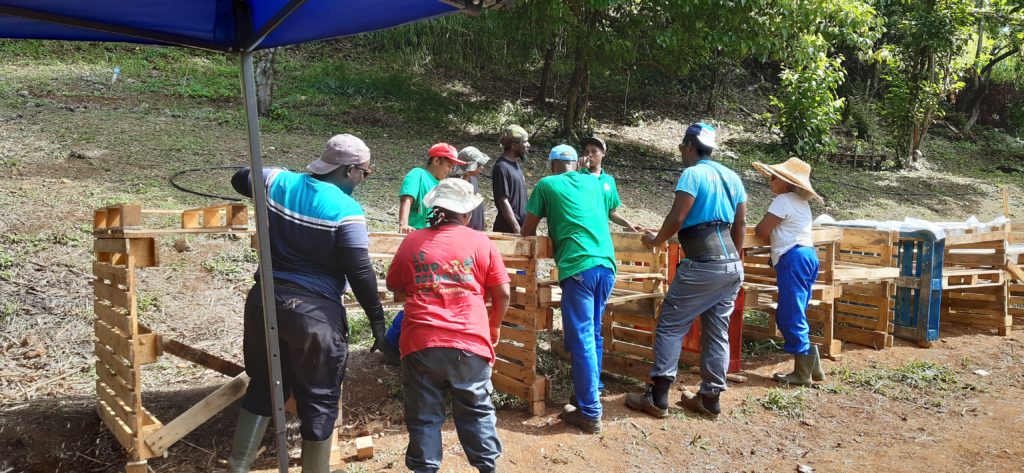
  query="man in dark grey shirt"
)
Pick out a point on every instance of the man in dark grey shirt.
point(508, 182)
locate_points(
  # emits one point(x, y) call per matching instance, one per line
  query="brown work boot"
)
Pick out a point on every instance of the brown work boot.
point(577, 418)
point(704, 405)
point(817, 374)
point(801, 375)
point(644, 402)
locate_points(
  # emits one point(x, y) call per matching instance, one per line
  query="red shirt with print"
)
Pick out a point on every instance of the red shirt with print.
point(444, 273)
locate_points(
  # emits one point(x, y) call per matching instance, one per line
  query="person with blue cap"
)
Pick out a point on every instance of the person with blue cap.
point(577, 212)
point(709, 215)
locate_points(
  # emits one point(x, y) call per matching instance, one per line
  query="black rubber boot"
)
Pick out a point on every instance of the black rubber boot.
point(248, 434)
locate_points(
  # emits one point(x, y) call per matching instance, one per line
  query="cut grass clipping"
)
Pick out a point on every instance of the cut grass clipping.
point(912, 382)
point(786, 403)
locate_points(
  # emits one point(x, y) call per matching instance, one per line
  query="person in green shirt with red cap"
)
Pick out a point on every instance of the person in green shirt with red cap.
point(412, 213)
point(577, 212)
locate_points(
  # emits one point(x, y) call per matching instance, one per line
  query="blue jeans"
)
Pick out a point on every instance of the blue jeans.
point(796, 272)
point(708, 290)
point(583, 299)
point(427, 376)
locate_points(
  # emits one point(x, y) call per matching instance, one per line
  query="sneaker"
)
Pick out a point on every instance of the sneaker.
point(695, 403)
point(645, 403)
point(580, 420)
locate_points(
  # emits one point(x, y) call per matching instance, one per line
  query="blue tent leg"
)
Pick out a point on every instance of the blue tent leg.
point(266, 271)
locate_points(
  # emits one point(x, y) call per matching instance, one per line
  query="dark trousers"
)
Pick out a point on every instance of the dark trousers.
point(313, 334)
point(427, 376)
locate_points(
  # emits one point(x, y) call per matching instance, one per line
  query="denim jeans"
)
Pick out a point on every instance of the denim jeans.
point(583, 299)
point(427, 376)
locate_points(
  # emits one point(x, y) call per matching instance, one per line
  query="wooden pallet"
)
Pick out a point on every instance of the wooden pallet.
point(132, 221)
point(981, 306)
point(864, 312)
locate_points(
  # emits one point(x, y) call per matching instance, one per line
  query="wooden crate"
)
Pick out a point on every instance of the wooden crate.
point(864, 312)
point(981, 306)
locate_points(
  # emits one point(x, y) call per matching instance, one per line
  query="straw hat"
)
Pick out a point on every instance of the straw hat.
point(794, 171)
point(453, 194)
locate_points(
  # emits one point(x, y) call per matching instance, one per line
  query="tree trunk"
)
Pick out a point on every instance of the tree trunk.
point(545, 73)
point(584, 99)
point(573, 94)
point(265, 80)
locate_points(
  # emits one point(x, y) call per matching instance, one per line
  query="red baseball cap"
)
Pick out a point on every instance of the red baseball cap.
point(447, 151)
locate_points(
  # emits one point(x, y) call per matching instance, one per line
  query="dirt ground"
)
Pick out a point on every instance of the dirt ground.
point(61, 157)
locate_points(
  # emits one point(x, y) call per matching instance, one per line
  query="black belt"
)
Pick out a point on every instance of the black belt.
point(289, 284)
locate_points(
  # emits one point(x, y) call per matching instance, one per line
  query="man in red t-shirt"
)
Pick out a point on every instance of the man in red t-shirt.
point(448, 335)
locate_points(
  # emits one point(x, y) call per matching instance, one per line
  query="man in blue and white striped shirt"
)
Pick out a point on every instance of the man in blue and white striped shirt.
point(319, 243)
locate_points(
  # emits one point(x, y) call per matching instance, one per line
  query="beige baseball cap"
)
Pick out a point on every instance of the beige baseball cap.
point(453, 194)
point(341, 150)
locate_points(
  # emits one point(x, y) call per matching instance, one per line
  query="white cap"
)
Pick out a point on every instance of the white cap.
point(453, 194)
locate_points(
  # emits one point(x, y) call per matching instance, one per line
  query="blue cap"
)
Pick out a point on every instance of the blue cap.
point(563, 153)
point(704, 133)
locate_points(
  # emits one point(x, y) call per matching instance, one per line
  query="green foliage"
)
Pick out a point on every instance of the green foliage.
point(809, 107)
point(912, 382)
point(236, 265)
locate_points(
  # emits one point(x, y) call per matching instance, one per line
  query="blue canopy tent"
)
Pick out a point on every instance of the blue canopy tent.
point(229, 26)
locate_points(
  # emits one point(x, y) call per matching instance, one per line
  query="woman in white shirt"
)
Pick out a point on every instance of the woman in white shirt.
point(788, 225)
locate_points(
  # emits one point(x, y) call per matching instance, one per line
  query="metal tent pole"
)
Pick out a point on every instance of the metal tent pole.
point(259, 196)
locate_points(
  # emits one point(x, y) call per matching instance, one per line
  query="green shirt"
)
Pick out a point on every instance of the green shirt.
point(577, 212)
point(611, 192)
point(416, 185)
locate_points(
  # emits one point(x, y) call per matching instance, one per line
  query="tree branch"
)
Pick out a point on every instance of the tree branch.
point(996, 60)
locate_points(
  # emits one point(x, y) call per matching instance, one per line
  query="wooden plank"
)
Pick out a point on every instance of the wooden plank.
point(121, 410)
point(1015, 271)
point(117, 341)
point(510, 386)
point(116, 297)
point(238, 216)
point(122, 432)
point(523, 317)
point(633, 319)
point(201, 357)
point(143, 249)
point(117, 275)
point(123, 391)
point(112, 317)
point(638, 351)
point(639, 257)
point(995, 260)
point(162, 439)
point(629, 367)
point(116, 364)
point(513, 370)
point(527, 337)
point(632, 335)
point(869, 312)
point(624, 299)
point(511, 352)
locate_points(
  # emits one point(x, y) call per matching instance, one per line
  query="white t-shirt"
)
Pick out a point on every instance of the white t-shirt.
point(795, 228)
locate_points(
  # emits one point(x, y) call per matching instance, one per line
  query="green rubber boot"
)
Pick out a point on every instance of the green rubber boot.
point(817, 374)
point(316, 456)
point(801, 375)
point(248, 434)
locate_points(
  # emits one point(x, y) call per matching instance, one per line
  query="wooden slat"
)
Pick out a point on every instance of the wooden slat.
point(638, 351)
point(513, 370)
point(113, 295)
point(112, 317)
point(116, 364)
point(118, 342)
point(512, 352)
point(631, 335)
point(117, 275)
point(629, 367)
point(633, 319)
point(876, 340)
point(872, 312)
point(121, 410)
point(123, 391)
point(511, 386)
point(527, 337)
point(201, 358)
point(522, 317)
point(162, 439)
point(121, 431)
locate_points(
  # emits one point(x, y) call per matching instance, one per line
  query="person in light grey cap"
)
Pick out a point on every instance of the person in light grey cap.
point(319, 245)
point(475, 161)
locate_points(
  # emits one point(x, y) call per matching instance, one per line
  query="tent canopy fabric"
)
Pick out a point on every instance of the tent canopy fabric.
point(225, 25)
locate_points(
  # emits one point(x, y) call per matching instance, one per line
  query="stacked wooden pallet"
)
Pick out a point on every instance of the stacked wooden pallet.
point(974, 279)
point(864, 309)
point(761, 289)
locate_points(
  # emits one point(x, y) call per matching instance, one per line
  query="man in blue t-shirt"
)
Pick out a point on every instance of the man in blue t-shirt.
point(319, 244)
point(709, 214)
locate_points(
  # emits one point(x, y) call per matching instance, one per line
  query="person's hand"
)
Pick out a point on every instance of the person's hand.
point(495, 336)
point(516, 229)
point(404, 229)
point(378, 330)
point(634, 228)
point(648, 239)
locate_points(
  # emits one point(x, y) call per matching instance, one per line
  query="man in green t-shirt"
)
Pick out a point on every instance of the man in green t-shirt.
point(577, 212)
point(590, 162)
point(412, 214)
